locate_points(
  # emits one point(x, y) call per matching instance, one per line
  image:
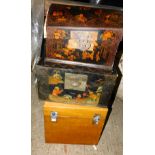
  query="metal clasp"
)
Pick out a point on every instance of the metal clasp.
point(54, 116)
point(96, 119)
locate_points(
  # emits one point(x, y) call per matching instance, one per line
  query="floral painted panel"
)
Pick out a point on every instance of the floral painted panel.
point(93, 46)
point(74, 88)
point(75, 85)
point(84, 16)
point(83, 34)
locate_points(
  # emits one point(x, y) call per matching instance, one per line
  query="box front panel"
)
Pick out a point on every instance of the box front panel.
point(87, 46)
point(73, 124)
point(71, 87)
point(75, 87)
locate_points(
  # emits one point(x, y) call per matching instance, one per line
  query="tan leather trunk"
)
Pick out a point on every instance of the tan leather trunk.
point(73, 124)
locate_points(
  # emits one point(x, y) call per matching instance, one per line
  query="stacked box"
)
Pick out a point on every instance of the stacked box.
point(85, 35)
point(77, 76)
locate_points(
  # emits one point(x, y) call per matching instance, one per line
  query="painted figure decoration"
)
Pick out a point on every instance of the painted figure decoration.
point(71, 84)
point(74, 88)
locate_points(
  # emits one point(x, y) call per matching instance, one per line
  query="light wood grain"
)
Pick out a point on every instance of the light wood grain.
point(74, 124)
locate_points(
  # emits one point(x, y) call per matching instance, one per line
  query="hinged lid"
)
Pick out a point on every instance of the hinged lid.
point(84, 16)
point(60, 110)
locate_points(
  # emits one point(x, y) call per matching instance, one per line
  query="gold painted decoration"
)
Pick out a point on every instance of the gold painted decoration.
point(56, 78)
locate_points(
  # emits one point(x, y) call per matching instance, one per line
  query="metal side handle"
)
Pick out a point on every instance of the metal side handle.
point(96, 119)
point(54, 116)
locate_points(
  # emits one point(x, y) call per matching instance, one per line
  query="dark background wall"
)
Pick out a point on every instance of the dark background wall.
point(118, 3)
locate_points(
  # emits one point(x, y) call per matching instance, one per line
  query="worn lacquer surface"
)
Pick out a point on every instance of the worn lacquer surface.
point(75, 85)
point(84, 16)
point(83, 34)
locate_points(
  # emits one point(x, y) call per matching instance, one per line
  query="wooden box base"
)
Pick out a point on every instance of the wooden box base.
point(74, 124)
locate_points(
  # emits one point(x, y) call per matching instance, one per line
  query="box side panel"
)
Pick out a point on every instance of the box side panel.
point(108, 88)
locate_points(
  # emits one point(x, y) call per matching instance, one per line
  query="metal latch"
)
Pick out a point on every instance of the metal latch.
point(96, 119)
point(54, 116)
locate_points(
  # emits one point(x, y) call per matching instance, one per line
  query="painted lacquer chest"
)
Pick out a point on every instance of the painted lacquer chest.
point(83, 34)
point(74, 85)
